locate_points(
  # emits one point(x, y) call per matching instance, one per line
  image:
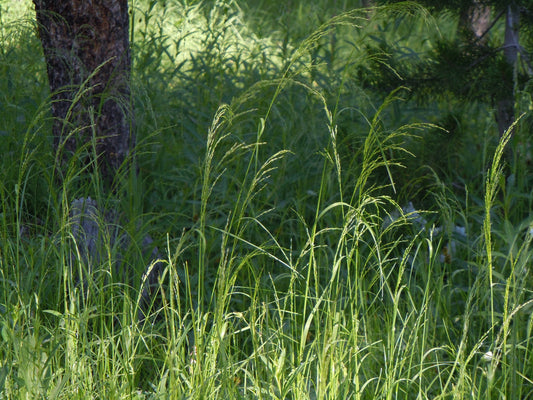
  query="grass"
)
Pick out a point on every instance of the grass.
point(275, 187)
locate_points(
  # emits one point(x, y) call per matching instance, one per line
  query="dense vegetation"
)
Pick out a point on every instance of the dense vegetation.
point(323, 238)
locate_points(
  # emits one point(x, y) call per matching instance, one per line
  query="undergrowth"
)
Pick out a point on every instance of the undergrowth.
point(293, 264)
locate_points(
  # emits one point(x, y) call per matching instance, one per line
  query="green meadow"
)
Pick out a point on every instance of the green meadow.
point(317, 238)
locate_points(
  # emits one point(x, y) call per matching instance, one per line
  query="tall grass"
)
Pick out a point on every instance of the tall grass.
point(289, 268)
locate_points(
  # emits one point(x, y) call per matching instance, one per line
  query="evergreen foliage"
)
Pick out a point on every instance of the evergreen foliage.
point(473, 64)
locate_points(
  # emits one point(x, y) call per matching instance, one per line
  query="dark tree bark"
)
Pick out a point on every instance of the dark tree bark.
point(511, 46)
point(474, 22)
point(86, 43)
point(86, 49)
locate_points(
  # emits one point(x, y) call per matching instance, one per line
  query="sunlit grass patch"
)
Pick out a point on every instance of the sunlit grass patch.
point(292, 263)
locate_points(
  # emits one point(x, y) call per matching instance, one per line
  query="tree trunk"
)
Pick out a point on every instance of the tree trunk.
point(505, 104)
point(474, 22)
point(86, 48)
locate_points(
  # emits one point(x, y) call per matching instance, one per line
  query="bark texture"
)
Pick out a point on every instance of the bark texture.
point(511, 46)
point(86, 48)
point(474, 22)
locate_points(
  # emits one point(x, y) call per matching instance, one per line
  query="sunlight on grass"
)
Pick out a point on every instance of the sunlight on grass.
point(290, 263)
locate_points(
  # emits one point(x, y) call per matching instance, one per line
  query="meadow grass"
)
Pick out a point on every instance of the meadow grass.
point(274, 186)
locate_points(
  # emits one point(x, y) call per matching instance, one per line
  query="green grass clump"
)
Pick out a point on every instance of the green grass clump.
point(275, 187)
